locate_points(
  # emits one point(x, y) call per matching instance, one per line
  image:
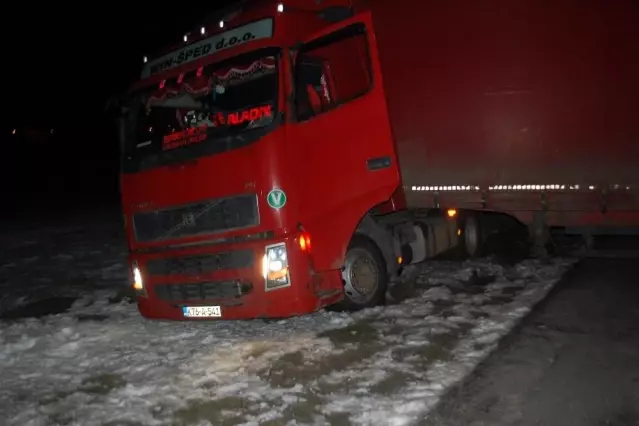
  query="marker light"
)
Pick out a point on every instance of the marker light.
point(145, 59)
point(186, 38)
point(451, 212)
point(304, 241)
point(221, 24)
point(280, 7)
point(202, 30)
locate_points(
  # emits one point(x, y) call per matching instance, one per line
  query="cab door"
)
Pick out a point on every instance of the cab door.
point(343, 154)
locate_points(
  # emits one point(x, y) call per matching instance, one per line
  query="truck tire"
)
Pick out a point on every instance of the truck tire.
point(364, 275)
point(472, 241)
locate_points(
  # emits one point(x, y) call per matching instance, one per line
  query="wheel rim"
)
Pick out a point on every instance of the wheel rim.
point(360, 275)
point(471, 236)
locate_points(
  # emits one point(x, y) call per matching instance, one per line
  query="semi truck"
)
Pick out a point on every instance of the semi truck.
point(287, 156)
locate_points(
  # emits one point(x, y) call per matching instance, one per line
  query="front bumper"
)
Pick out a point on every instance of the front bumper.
point(231, 276)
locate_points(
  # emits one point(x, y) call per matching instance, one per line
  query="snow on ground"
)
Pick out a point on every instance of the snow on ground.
point(98, 363)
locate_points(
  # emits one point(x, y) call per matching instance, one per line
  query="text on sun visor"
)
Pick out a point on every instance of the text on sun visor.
point(254, 31)
point(197, 134)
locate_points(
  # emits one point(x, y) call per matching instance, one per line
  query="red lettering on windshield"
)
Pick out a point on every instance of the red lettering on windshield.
point(219, 118)
point(184, 137)
point(235, 118)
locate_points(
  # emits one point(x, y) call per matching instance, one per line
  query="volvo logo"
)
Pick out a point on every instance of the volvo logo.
point(188, 219)
point(185, 265)
point(176, 266)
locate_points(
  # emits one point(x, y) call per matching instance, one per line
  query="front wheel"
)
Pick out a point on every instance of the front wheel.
point(472, 244)
point(364, 275)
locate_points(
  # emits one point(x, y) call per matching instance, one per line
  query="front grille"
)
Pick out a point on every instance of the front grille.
point(207, 291)
point(201, 264)
point(208, 217)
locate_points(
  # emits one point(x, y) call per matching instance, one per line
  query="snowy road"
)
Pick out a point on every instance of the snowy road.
point(96, 362)
point(573, 362)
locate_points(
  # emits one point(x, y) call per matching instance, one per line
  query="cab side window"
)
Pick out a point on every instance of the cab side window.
point(332, 71)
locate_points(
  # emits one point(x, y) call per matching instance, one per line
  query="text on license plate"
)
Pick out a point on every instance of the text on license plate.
point(202, 311)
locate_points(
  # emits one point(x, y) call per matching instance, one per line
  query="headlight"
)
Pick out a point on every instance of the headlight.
point(275, 267)
point(138, 281)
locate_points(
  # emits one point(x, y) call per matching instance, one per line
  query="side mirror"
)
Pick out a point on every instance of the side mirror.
point(116, 104)
point(111, 104)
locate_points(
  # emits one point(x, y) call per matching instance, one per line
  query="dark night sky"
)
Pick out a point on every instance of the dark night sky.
point(60, 66)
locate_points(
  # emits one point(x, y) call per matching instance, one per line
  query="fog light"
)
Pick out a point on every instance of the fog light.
point(275, 267)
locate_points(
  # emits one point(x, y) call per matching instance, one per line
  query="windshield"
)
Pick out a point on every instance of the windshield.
point(204, 111)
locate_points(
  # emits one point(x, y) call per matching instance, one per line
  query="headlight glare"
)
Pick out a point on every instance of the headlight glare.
point(138, 280)
point(275, 267)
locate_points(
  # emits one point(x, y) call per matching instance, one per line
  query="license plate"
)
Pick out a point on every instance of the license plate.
point(202, 311)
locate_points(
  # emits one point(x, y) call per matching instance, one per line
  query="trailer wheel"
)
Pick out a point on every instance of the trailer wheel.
point(472, 239)
point(364, 275)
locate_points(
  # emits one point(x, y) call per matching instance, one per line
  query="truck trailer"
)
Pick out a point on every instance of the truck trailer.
point(288, 156)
